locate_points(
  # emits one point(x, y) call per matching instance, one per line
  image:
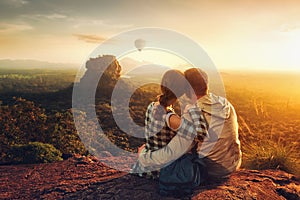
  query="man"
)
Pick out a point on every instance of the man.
point(220, 150)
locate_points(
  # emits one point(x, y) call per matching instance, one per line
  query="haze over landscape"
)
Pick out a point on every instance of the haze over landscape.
point(253, 44)
point(239, 35)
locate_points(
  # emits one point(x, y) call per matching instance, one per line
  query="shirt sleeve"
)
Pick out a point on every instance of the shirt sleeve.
point(154, 160)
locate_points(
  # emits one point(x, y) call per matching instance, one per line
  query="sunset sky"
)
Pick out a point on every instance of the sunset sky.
point(236, 34)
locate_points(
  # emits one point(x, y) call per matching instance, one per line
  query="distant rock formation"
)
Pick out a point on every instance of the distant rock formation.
point(104, 68)
point(107, 65)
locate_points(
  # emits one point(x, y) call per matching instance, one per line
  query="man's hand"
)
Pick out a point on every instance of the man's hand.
point(140, 149)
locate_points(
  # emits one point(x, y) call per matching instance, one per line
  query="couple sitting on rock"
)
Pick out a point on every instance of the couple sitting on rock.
point(208, 124)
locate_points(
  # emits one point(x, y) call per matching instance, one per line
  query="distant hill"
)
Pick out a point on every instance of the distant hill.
point(132, 67)
point(148, 72)
point(129, 64)
point(34, 64)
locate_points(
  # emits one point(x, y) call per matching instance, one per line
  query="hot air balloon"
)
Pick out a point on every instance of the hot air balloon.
point(139, 44)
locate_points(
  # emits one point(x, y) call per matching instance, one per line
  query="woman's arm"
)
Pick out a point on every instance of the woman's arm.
point(173, 121)
point(191, 113)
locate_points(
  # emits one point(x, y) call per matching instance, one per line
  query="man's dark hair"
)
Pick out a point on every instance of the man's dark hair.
point(198, 80)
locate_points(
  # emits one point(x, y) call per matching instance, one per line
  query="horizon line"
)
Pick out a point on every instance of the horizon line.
point(220, 69)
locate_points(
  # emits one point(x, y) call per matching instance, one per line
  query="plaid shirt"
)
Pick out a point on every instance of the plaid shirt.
point(193, 124)
point(158, 134)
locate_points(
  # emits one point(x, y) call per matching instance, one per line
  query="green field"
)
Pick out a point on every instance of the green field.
point(267, 104)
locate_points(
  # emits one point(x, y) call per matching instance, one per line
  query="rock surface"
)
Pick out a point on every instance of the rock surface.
point(88, 178)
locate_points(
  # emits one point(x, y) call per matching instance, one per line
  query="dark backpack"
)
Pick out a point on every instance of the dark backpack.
point(180, 177)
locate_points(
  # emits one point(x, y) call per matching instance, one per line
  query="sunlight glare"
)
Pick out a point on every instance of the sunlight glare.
point(159, 57)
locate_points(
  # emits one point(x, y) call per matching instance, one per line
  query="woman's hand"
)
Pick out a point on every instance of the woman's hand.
point(141, 148)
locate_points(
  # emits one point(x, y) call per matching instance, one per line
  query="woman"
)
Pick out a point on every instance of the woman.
point(158, 133)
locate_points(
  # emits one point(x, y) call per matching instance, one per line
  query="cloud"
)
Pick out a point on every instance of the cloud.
point(90, 38)
point(86, 23)
point(54, 16)
point(9, 28)
point(289, 27)
point(15, 3)
point(44, 16)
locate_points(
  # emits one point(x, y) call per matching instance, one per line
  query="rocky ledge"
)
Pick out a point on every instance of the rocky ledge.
point(87, 178)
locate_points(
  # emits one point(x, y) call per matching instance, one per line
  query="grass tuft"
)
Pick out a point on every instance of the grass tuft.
point(268, 154)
